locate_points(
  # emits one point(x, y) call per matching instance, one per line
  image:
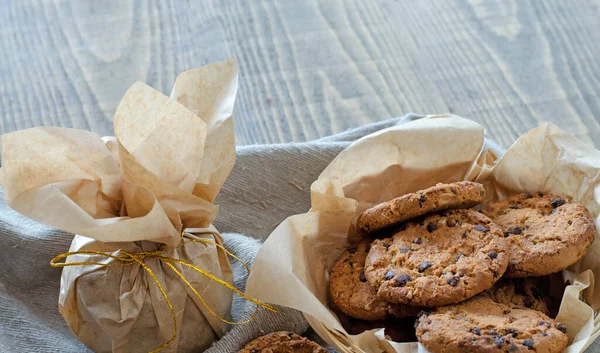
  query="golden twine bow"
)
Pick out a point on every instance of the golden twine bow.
point(129, 258)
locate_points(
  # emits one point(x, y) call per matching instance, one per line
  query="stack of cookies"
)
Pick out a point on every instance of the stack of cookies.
point(472, 277)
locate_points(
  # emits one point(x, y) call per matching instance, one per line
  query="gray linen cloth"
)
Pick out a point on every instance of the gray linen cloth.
point(267, 184)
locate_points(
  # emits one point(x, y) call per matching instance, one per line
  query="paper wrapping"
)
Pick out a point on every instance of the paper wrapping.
point(135, 192)
point(406, 158)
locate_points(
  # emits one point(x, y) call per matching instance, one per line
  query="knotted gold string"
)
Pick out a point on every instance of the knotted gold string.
point(132, 258)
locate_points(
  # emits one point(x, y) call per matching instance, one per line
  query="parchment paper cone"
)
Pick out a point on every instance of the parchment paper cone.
point(292, 267)
point(161, 172)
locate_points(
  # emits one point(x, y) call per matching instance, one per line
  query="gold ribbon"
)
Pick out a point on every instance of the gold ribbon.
point(129, 258)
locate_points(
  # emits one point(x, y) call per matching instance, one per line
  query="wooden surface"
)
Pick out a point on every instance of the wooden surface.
point(309, 68)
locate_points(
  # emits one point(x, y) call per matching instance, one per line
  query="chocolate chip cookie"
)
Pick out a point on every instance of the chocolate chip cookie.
point(462, 194)
point(352, 294)
point(483, 325)
point(282, 342)
point(440, 259)
point(520, 291)
point(548, 233)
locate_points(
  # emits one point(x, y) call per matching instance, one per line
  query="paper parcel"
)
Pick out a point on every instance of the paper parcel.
point(135, 193)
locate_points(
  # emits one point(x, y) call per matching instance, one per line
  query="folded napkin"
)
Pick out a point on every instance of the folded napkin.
point(267, 184)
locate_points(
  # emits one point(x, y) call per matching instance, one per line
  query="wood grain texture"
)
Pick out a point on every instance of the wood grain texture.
point(309, 68)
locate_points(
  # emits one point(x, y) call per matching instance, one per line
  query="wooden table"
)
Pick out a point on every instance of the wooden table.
point(309, 68)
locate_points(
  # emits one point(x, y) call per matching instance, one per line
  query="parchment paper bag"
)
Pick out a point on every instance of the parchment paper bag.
point(131, 196)
point(406, 158)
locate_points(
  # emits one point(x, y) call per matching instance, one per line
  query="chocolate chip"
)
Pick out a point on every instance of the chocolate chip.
point(515, 230)
point(424, 265)
point(492, 255)
point(544, 333)
point(513, 348)
point(352, 249)
point(453, 281)
point(476, 331)
point(513, 207)
point(362, 276)
point(403, 280)
point(459, 256)
point(418, 241)
point(386, 245)
point(527, 195)
point(422, 199)
point(404, 250)
point(512, 331)
point(499, 341)
point(561, 328)
point(400, 227)
point(570, 222)
point(557, 202)
point(528, 343)
point(461, 275)
point(540, 194)
point(481, 228)
point(506, 311)
point(528, 302)
point(431, 227)
point(389, 275)
point(545, 323)
point(506, 234)
point(464, 235)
